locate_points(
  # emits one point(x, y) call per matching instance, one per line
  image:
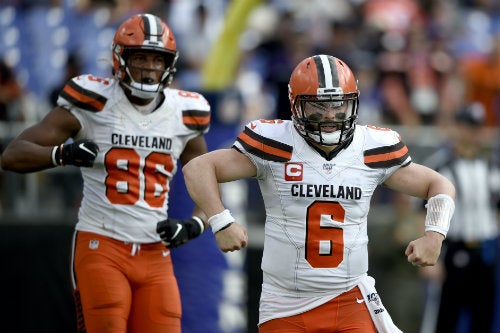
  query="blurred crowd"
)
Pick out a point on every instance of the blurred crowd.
point(417, 61)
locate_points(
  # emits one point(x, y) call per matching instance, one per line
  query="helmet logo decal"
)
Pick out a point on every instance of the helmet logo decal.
point(337, 91)
point(327, 71)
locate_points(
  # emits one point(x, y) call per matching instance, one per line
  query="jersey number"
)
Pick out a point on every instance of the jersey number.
point(324, 244)
point(127, 178)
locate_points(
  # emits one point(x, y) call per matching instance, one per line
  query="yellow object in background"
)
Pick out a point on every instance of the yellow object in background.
point(222, 62)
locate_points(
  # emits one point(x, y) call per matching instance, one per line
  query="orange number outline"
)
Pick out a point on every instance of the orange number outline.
point(126, 177)
point(316, 233)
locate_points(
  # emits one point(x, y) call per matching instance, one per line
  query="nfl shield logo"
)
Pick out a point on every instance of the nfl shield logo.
point(327, 168)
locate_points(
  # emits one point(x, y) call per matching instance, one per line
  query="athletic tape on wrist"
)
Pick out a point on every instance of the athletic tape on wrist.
point(53, 155)
point(221, 220)
point(440, 209)
point(200, 222)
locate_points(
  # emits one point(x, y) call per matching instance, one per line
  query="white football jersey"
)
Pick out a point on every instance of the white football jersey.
point(315, 245)
point(126, 192)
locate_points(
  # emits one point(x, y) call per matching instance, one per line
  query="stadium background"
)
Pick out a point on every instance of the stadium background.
point(220, 291)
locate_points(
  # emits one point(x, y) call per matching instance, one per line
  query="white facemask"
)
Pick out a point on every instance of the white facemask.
point(144, 91)
point(328, 138)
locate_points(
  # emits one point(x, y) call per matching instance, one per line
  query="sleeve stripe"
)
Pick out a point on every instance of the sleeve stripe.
point(83, 98)
point(264, 147)
point(386, 156)
point(196, 120)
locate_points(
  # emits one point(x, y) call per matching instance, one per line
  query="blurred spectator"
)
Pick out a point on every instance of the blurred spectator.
point(120, 9)
point(275, 57)
point(449, 85)
point(481, 75)
point(68, 182)
point(393, 25)
point(10, 98)
point(10, 94)
point(467, 266)
point(73, 68)
point(198, 39)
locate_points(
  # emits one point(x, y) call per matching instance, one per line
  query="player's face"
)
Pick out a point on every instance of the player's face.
point(146, 67)
point(330, 114)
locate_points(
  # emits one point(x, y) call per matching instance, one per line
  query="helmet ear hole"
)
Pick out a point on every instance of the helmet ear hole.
point(120, 74)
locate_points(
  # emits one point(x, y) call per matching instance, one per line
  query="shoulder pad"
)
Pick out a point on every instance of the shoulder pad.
point(384, 148)
point(82, 92)
point(195, 108)
point(196, 119)
point(256, 138)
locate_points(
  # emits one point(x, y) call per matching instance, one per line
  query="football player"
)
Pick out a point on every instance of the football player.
point(317, 174)
point(127, 132)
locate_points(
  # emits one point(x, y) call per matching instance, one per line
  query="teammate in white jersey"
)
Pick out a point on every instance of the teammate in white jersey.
point(317, 174)
point(128, 133)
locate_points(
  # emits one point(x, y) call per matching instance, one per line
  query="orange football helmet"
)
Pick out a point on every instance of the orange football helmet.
point(324, 99)
point(143, 32)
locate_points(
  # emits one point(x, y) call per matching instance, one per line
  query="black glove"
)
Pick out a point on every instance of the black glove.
point(174, 233)
point(79, 153)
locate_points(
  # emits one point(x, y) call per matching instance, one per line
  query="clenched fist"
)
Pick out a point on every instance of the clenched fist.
point(174, 233)
point(78, 153)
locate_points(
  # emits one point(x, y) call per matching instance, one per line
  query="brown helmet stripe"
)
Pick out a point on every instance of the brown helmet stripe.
point(327, 71)
point(152, 28)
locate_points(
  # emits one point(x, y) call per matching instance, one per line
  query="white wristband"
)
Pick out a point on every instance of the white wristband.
point(53, 155)
point(440, 209)
point(221, 220)
point(200, 222)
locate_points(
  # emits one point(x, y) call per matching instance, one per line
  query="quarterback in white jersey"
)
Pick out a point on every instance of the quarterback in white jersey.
point(316, 209)
point(127, 133)
point(317, 174)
